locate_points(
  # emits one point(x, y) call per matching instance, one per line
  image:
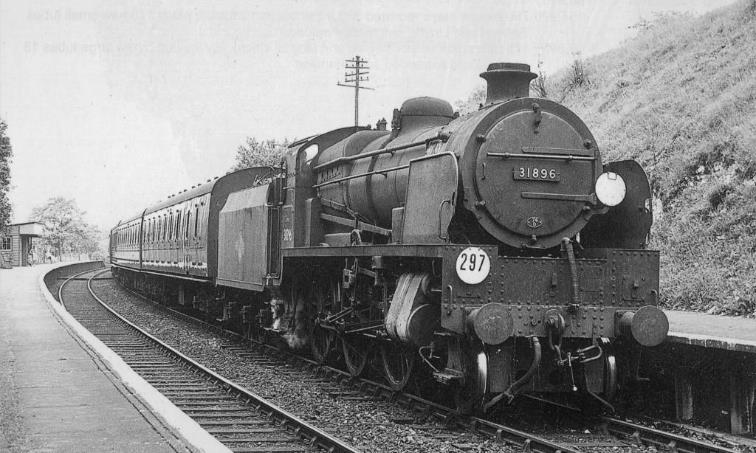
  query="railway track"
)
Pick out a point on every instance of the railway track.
point(625, 434)
point(633, 434)
point(239, 419)
point(629, 434)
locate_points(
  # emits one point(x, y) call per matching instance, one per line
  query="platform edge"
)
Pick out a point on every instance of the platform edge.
point(183, 427)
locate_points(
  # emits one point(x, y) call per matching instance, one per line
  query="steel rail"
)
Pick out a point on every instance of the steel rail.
point(315, 436)
point(659, 439)
point(68, 279)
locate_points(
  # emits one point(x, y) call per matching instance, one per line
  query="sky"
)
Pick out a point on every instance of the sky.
point(119, 104)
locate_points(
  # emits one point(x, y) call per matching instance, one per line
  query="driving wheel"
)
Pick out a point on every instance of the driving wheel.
point(398, 362)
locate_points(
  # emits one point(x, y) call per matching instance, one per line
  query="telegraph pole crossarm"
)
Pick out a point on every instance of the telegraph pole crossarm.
point(359, 74)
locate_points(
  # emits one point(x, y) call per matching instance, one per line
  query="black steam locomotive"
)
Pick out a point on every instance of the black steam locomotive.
point(494, 252)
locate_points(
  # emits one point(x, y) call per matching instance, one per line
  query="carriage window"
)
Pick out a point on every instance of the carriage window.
point(177, 230)
point(196, 219)
point(199, 224)
point(188, 222)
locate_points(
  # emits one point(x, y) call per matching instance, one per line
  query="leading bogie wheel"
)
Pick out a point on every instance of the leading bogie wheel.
point(468, 394)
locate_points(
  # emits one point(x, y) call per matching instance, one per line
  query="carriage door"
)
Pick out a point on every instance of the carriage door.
point(275, 200)
point(179, 232)
point(186, 246)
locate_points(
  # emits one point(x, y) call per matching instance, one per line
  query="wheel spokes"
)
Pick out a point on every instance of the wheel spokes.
point(398, 363)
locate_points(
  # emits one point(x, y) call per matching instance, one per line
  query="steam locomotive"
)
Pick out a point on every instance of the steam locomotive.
point(493, 253)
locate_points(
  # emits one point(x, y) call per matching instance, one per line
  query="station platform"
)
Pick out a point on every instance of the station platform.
point(712, 359)
point(712, 331)
point(55, 393)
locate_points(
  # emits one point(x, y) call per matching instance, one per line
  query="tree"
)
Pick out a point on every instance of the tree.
point(6, 152)
point(577, 77)
point(256, 153)
point(65, 228)
point(538, 86)
point(474, 101)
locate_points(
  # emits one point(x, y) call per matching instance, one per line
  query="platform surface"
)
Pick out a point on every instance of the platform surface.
point(54, 395)
point(712, 331)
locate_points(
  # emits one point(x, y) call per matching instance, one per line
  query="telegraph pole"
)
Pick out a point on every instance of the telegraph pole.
point(359, 74)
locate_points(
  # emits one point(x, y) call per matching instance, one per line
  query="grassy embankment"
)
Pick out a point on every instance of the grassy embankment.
point(680, 98)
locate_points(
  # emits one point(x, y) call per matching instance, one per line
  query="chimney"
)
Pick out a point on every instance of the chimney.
point(507, 81)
